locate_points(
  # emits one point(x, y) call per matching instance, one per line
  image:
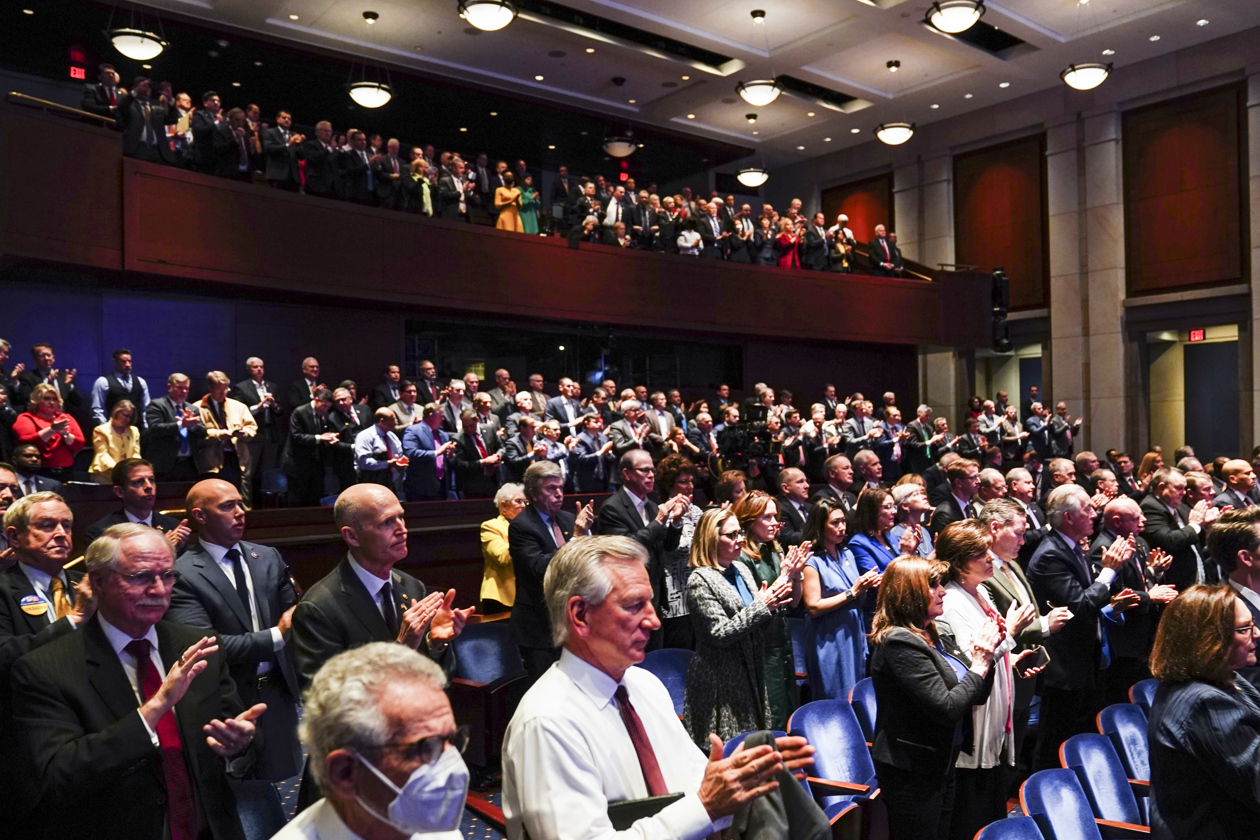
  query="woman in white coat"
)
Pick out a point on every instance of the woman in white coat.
point(980, 796)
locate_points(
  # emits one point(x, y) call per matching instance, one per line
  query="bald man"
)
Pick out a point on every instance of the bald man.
point(1240, 479)
point(1131, 641)
point(365, 599)
point(241, 593)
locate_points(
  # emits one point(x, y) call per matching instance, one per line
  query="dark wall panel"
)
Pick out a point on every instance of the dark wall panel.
point(166, 333)
point(867, 203)
point(1001, 216)
point(1185, 205)
point(806, 368)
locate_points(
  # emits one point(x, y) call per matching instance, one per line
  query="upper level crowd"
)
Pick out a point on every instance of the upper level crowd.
point(162, 126)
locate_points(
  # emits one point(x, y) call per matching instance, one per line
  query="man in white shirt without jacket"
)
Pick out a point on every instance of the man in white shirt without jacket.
point(595, 730)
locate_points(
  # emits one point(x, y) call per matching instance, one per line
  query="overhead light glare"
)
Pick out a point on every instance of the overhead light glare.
point(894, 133)
point(137, 44)
point(487, 15)
point(1004, 85)
point(759, 92)
point(619, 147)
point(753, 176)
point(954, 16)
point(1153, 38)
point(293, 17)
point(1201, 22)
point(1085, 76)
point(371, 94)
point(1109, 52)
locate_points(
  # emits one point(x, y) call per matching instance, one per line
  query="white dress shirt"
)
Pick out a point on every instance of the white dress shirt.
point(567, 754)
point(640, 505)
point(219, 554)
point(119, 640)
point(372, 582)
point(320, 822)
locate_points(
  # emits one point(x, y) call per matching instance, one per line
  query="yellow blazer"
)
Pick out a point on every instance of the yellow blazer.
point(499, 579)
point(209, 456)
point(108, 448)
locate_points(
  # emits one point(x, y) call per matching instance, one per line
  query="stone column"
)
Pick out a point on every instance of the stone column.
point(1249, 399)
point(1063, 375)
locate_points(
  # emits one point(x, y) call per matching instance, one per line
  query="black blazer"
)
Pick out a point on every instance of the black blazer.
point(42, 483)
point(323, 175)
point(1161, 531)
point(617, 517)
point(246, 391)
point(225, 154)
point(161, 445)
point(921, 703)
point(793, 521)
point(202, 126)
point(1133, 638)
point(946, 513)
point(130, 117)
point(1060, 580)
point(282, 159)
point(471, 473)
point(846, 499)
point(354, 177)
point(303, 452)
point(89, 755)
point(337, 614)
point(919, 456)
point(532, 545)
point(20, 631)
point(71, 396)
point(1204, 773)
point(161, 521)
point(382, 397)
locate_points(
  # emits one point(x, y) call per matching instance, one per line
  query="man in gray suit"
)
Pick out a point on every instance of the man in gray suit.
point(241, 592)
point(660, 419)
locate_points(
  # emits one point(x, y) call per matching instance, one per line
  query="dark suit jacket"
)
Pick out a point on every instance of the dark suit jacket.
point(922, 704)
point(589, 469)
point(163, 438)
point(946, 513)
point(161, 521)
point(1133, 638)
point(388, 190)
point(1181, 543)
point(225, 154)
point(617, 517)
point(203, 126)
point(1003, 596)
point(82, 742)
point(304, 454)
point(847, 500)
point(337, 614)
point(21, 631)
point(919, 456)
point(420, 446)
point(814, 249)
point(96, 100)
point(298, 394)
point(793, 522)
point(1204, 773)
point(354, 177)
point(282, 159)
point(246, 391)
point(532, 545)
point(1059, 579)
point(1061, 437)
point(323, 173)
point(475, 479)
point(71, 396)
point(130, 117)
point(42, 483)
point(382, 397)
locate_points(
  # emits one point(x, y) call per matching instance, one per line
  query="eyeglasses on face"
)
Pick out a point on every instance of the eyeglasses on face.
point(428, 750)
point(732, 535)
point(146, 578)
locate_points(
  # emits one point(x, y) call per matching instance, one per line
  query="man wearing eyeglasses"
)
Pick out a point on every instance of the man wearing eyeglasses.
point(131, 727)
point(241, 592)
point(377, 721)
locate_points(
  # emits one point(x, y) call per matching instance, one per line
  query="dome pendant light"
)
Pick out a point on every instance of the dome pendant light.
point(894, 133)
point(954, 16)
point(620, 145)
point(367, 92)
point(135, 40)
point(487, 15)
point(760, 92)
point(1085, 76)
point(752, 176)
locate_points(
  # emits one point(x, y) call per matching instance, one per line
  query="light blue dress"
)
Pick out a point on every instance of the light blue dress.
point(835, 643)
point(925, 544)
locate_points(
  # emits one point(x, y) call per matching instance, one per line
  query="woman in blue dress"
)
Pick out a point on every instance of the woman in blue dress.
point(835, 593)
point(873, 519)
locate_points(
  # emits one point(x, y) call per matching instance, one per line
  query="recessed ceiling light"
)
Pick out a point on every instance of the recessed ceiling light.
point(691, 116)
point(463, 129)
point(32, 11)
point(1153, 38)
point(590, 49)
point(934, 106)
point(236, 84)
point(686, 78)
point(538, 78)
point(1004, 84)
point(631, 101)
point(826, 139)
point(551, 147)
point(967, 95)
point(800, 148)
point(756, 133)
point(1201, 22)
point(1109, 52)
point(258, 64)
point(147, 66)
point(583, 133)
point(640, 145)
point(855, 131)
point(809, 113)
point(494, 113)
point(293, 17)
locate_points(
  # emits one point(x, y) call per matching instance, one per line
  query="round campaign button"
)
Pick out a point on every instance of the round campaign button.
point(33, 605)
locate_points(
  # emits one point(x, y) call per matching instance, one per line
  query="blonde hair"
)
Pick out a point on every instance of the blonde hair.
point(704, 541)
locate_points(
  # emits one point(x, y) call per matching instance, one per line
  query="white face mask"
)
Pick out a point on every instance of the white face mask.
point(432, 799)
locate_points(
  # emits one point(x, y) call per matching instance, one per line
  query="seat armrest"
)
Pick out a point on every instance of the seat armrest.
point(1122, 830)
point(829, 787)
point(1140, 788)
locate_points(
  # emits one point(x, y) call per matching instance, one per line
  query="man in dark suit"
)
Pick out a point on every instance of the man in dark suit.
point(346, 419)
point(131, 726)
point(309, 449)
point(477, 458)
point(793, 505)
point(922, 445)
point(388, 171)
point(142, 120)
point(136, 485)
point(534, 535)
point(1062, 576)
point(358, 181)
point(1178, 530)
point(631, 513)
point(814, 246)
point(282, 149)
point(229, 148)
point(1061, 432)
point(202, 125)
point(27, 462)
point(882, 255)
point(839, 471)
point(590, 460)
point(712, 234)
point(522, 449)
point(1022, 490)
point(365, 599)
point(241, 593)
point(1131, 641)
point(44, 371)
point(175, 431)
point(302, 389)
point(566, 408)
point(323, 171)
point(102, 97)
point(963, 476)
point(511, 422)
point(1235, 546)
point(860, 431)
point(453, 190)
point(1240, 479)
point(259, 394)
point(388, 392)
point(430, 453)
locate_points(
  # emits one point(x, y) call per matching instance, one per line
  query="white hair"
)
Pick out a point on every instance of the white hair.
point(578, 570)
point(1065, 499)
point(506, 492)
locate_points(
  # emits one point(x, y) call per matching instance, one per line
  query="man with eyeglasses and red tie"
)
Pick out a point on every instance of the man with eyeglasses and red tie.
point(130, 727)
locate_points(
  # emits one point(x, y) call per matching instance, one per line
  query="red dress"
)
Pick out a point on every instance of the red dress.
point(787, 250)
point(55, 452)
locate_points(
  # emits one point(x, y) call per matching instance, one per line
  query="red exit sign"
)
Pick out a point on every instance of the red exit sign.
point(78, 73)
point(1196, 335)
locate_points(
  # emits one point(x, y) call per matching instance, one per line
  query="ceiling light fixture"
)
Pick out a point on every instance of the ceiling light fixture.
point(691, 116)
point(809, 113)
point(293, 17)
point(934, 106)
point(968, 95)
point(620, 146)
point(855, 131)
point(1109, 52)
point(369, 93)
point(1085, 76)
point(760, 92)
point(893, 66)
point(1153, 38)
point(752, 176)
point(894, 133)
point(826, 139)
point(686, 78)
point(538, 78)
point(1004, 85)
point(590, 50)
point(487, 15)
point(1201, 22)
point(137, 40)
point(954, 16)
point(800, 148)
point(551, 147)
point(752, 118)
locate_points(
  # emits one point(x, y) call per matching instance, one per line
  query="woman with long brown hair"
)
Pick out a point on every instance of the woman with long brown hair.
point(921, 698)
point(758, 515)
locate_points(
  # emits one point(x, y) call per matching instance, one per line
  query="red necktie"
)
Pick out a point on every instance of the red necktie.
point(642, 746)
point(886, 251)
point(179, 789)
